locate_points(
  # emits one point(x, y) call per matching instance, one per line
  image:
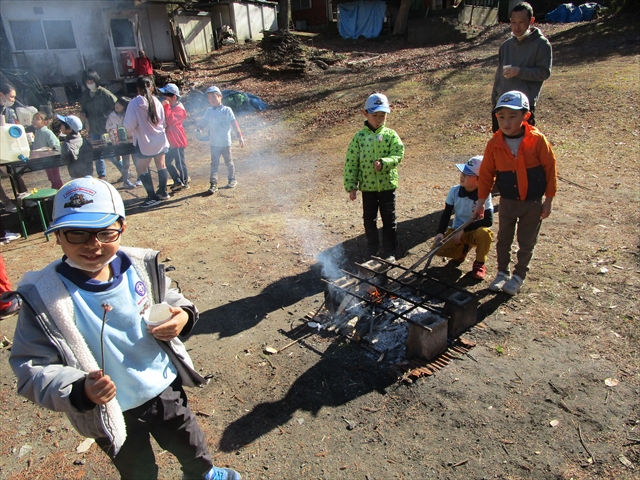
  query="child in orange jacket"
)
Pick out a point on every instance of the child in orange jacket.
point(520, 160)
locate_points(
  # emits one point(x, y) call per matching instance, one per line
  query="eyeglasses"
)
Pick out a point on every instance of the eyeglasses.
point(77, 237)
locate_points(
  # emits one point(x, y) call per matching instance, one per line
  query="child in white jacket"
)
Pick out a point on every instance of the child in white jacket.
point(114, 121)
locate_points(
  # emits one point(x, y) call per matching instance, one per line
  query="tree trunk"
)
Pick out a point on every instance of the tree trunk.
point(284, 15)
point(400, 28)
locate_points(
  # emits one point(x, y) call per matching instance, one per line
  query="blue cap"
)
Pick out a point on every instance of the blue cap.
point(86, 203)
point(471, 167)
point(74, 122)
point(377, 103)
point(170, 88)
point(213, 90)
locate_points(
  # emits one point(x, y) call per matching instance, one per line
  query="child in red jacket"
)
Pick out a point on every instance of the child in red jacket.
point(175, 115)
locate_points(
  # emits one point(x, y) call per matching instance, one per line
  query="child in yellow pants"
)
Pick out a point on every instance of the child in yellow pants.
point(462, 200)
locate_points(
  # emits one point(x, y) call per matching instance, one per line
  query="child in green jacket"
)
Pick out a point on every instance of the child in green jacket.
point(372, 167)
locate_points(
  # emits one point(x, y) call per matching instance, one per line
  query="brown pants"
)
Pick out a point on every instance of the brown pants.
point(480, 238)
point(519, 219)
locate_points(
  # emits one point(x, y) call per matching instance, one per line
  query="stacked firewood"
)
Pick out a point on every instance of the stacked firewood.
point(281, 52)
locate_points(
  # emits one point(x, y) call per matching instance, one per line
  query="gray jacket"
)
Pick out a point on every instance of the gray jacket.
point(534, 56)
point(77, 153)
point(49, 354)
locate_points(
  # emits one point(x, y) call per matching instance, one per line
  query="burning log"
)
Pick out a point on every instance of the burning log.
point(414, 315)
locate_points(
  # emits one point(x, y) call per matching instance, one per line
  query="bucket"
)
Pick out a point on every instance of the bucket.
point(13, 144)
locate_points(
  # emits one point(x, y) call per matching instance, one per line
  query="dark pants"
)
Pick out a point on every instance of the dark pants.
point(531, 121)
point(385, 202)
point(172, 423)
point(179, 173)
point(519, 219)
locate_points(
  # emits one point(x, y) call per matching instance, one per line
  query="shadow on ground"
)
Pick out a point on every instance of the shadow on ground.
point(323, 385)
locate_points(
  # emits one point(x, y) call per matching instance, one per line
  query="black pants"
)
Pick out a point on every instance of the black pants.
point(172, 423)
point(494, 120)
point(385, 202)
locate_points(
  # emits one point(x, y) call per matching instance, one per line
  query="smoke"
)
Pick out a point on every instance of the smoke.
point(330, 261)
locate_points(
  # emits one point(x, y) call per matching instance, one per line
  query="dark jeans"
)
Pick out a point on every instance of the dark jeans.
point(179, 173)
point(531, 121)
point(172, 423)
point(385, 202)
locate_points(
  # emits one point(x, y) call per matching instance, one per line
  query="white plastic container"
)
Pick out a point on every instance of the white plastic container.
point(158, 314)
point(13, 144)
point(25, 115)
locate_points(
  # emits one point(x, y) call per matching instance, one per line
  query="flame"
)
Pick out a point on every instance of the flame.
point(375, 294)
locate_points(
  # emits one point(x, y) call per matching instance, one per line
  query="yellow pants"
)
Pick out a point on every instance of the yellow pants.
point(480, 238)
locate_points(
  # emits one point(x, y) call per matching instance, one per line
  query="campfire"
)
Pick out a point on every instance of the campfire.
point(408, 319)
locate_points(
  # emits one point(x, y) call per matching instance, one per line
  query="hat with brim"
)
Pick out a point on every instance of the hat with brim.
point(74, 122)
point(472, 166)
point(171, 89)
point(514, 100)
point(213, 90)
point(87, 203)
point(377, 103)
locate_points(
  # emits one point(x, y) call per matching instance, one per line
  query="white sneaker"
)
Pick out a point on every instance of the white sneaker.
point(9, 207)
point(10, 236)
point(513, 286)
point(499, 282)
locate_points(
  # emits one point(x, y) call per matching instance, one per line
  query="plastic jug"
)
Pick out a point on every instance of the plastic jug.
point(25, 115)
point(13, 143)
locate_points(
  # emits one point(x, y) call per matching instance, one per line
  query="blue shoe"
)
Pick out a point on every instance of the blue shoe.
point(217, 473)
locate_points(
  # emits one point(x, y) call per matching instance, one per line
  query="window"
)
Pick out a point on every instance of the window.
point(300, 4)
point(122, 32)
point(59, 34)
point(42, 34)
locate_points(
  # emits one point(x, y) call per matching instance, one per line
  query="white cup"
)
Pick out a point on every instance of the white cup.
point(158, 314)
point(504, 68)
point(30, 137)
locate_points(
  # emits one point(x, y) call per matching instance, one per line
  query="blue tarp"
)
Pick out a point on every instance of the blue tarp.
point(361, 18)
point(567, 13)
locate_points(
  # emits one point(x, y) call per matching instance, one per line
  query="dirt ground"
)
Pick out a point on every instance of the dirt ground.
point(551, 390)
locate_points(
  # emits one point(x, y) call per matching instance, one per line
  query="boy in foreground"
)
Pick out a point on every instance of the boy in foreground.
point(82, 345)
point(519, 159)
point(371, 166)
point(462, 200)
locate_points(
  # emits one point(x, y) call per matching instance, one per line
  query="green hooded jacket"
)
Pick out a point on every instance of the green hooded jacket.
point(366, 147)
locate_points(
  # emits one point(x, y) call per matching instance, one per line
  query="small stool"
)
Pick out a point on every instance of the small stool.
point(38, 197)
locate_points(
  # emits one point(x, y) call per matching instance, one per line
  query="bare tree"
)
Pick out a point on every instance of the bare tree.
point(284, 16)
point(400, 28)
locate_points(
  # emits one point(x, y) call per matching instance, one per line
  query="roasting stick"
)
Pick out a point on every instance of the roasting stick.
point(307, 334)
point(429, 256)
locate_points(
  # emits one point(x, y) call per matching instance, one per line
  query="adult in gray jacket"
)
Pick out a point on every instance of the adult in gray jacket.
point(524, 61)
point(84, 344)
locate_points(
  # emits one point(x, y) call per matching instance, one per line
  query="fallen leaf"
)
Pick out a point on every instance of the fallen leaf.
point(85, 445)
point(626, 462)
point(554, 423)
point(611, 382)
point(270, 350)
